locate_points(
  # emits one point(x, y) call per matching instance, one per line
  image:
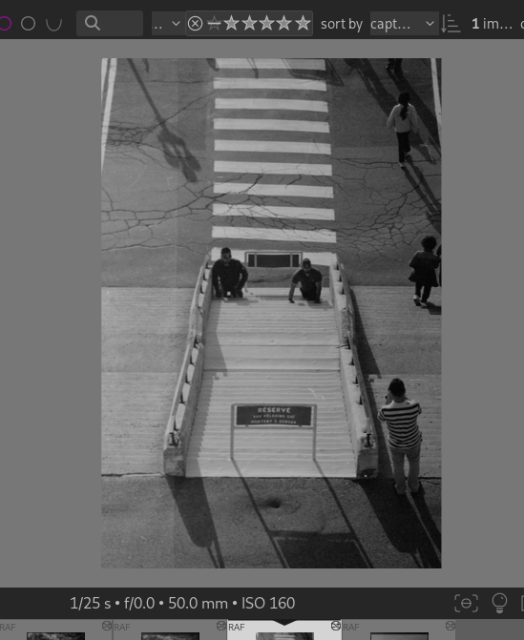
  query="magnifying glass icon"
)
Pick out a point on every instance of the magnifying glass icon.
point(92, 22)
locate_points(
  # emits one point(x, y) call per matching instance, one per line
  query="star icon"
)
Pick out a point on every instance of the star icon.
point(231, 24)
point(302, 23)
point(214, 24)
point(249, 23)
point(266, 24)
point(284, 23)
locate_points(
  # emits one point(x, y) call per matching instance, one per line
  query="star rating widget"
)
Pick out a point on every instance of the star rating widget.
point(233, 23)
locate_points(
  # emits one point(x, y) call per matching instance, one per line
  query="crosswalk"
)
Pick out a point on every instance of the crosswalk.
point(272, 154)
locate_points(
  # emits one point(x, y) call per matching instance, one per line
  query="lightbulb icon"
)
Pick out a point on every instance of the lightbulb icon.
point(499, 602)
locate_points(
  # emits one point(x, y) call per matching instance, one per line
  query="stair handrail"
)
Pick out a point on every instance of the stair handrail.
point(354, 345)
point(194, 338)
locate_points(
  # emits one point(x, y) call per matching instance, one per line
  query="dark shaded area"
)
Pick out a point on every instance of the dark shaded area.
point(190, 498)
point(421, 186)
point(365, 352)
point(401, 522)
point(320, 551)
point(176, 151)
point(373, 83)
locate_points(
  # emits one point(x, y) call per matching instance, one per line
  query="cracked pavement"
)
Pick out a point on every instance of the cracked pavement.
point(157, 197)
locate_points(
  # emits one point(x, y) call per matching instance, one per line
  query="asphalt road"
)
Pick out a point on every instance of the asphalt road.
point(157, 225)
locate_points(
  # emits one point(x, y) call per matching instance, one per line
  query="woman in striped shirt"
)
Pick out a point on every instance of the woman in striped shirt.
point(404, 438)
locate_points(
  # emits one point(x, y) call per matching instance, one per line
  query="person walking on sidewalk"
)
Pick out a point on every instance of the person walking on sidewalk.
point(403, 118)
point(404, 438)
point(424, 265)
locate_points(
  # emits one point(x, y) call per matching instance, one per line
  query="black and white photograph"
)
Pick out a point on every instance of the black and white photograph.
point(170, 636)
point(399, 636)
point(55, 636)
point(271, 313)
point(285, 636)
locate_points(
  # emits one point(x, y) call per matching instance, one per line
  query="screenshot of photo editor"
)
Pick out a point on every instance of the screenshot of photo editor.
point(238, 402)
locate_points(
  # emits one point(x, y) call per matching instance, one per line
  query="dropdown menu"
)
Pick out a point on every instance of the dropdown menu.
point(404, 23)
point(168, 23)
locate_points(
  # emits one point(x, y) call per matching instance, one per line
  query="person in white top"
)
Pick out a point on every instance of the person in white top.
point(403, 118)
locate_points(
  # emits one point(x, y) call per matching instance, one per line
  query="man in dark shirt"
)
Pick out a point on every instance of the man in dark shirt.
point(228, 276)
point(310, 281)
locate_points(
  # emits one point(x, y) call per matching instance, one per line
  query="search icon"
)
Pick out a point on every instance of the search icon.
point(92, 22)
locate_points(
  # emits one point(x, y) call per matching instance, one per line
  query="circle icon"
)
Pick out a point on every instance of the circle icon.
point(195, 23)
point(30, 21)
point(221, 625)
point(336, 625)
point(2, 28)
point(450, 625)
point(91, 22)
point(499, 601)
point(107, 625)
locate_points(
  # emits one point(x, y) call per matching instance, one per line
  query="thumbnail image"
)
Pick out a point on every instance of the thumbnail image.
point(271, 312)
point(285, 636)
point(399, 636)
point(170, 636)
point(56, 636)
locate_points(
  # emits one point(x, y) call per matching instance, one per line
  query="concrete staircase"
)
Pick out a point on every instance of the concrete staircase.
point(262, 349)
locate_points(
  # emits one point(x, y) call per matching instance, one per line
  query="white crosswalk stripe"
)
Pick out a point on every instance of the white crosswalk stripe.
point(269, 83)
point(254, 124)
point(286, 190)
point(257, 211)
point(271, 63)
point(276, 168)
point(245, 146)
point(274, 105)
point(282, 235)
point(254, 146)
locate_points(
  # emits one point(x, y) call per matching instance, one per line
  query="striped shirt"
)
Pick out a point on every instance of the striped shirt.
point(401, 419)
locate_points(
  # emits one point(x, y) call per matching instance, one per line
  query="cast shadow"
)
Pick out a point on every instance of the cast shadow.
point(190, 497)
point(176, 151)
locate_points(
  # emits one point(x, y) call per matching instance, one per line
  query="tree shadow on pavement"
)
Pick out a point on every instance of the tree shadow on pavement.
point(373, 83)
point(420, 185)
point(190, 497)
point(176, 151)
point(400, 522)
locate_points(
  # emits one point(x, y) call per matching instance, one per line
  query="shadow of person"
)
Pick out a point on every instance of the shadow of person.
point(401, 523)
point(178, 155)
point(190, 497)
point(427, 519)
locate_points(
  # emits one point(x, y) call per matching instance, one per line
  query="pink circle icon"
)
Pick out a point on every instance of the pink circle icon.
point(2, 28)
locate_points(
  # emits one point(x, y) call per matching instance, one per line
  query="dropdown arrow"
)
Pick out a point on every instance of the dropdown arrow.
point(176, 23)
point(430, 24)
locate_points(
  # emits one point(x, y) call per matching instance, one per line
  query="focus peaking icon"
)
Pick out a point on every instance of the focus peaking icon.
point(499, 601)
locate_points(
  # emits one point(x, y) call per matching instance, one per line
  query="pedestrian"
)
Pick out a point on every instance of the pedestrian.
point(424, 264)
point(228, 276)
point(403, 118)
point(310, 281)
point(395, 65)
point(404, 438)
